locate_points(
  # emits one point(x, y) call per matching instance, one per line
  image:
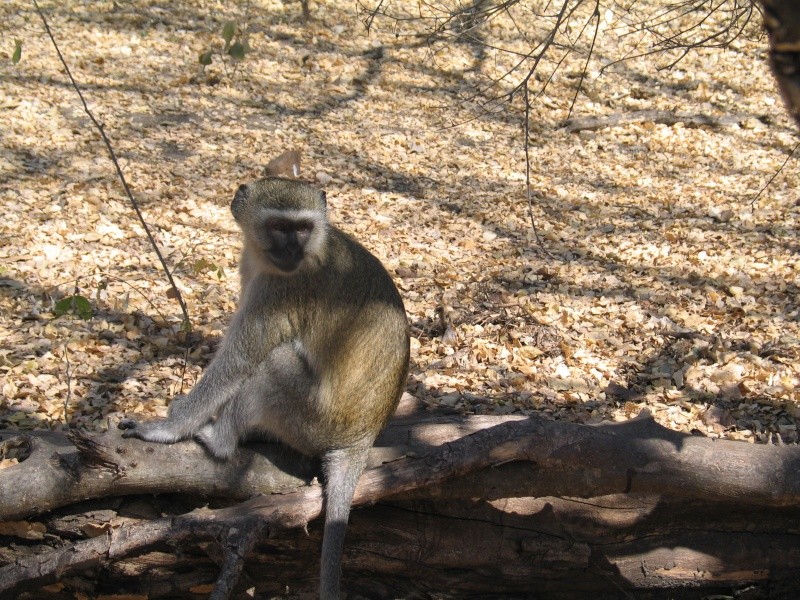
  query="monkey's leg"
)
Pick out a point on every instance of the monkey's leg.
point(222, 436)
point(238, 417)
point(266, 403)
point(343, 467)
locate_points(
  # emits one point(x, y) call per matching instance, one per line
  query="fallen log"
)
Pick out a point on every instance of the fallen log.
point(457, 505)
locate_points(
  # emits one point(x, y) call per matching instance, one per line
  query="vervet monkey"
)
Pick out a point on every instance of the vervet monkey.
point(316, 354)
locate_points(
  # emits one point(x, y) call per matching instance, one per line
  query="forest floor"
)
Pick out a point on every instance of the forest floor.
point(659, 279)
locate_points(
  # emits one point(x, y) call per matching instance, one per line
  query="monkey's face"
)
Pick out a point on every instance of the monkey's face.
point(284, 224)
point(285, 241)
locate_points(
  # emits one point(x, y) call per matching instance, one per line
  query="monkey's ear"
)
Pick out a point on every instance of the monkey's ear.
point(239, 200)
point(285, 165)
point(324, 197)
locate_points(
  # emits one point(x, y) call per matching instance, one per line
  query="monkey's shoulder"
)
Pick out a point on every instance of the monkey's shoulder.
point(347, 256)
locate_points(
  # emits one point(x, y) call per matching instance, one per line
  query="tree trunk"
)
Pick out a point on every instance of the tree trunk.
point(782, 21)
point(663, 514)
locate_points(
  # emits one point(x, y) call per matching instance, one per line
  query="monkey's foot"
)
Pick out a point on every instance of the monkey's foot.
point(150, 432)
point(217, 445)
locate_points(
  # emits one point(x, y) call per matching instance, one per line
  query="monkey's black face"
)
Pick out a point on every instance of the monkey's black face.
point(286, 242)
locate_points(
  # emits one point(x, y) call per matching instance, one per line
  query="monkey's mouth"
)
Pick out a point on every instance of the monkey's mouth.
point(286, 263)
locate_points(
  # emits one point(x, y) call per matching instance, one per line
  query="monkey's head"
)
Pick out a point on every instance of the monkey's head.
point(284, 223)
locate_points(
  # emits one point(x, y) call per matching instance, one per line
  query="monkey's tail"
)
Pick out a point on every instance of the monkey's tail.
point(343, 467)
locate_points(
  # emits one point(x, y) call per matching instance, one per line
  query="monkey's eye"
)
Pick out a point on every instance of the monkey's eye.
point(304, 227)
point(280, 226)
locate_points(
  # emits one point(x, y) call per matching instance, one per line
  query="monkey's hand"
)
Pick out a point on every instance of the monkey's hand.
point(182, 422)
point(159, 431)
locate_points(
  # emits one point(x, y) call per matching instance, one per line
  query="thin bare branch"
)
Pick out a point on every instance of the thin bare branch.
point(774, 175)
point(579, 87)
point(528, 193)
point(112, 154)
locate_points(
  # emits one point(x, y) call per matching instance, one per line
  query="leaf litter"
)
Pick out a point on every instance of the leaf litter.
point(663, 286)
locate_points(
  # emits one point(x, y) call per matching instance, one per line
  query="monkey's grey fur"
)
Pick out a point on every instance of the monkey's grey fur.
point(316, 354)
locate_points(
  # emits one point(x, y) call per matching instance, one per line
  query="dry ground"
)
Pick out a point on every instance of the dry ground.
point(659, 283)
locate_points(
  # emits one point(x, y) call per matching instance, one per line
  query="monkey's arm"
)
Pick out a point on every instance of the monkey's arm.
point(188, 414)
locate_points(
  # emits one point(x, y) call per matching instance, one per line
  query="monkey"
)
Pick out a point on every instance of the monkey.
point(316, 354)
